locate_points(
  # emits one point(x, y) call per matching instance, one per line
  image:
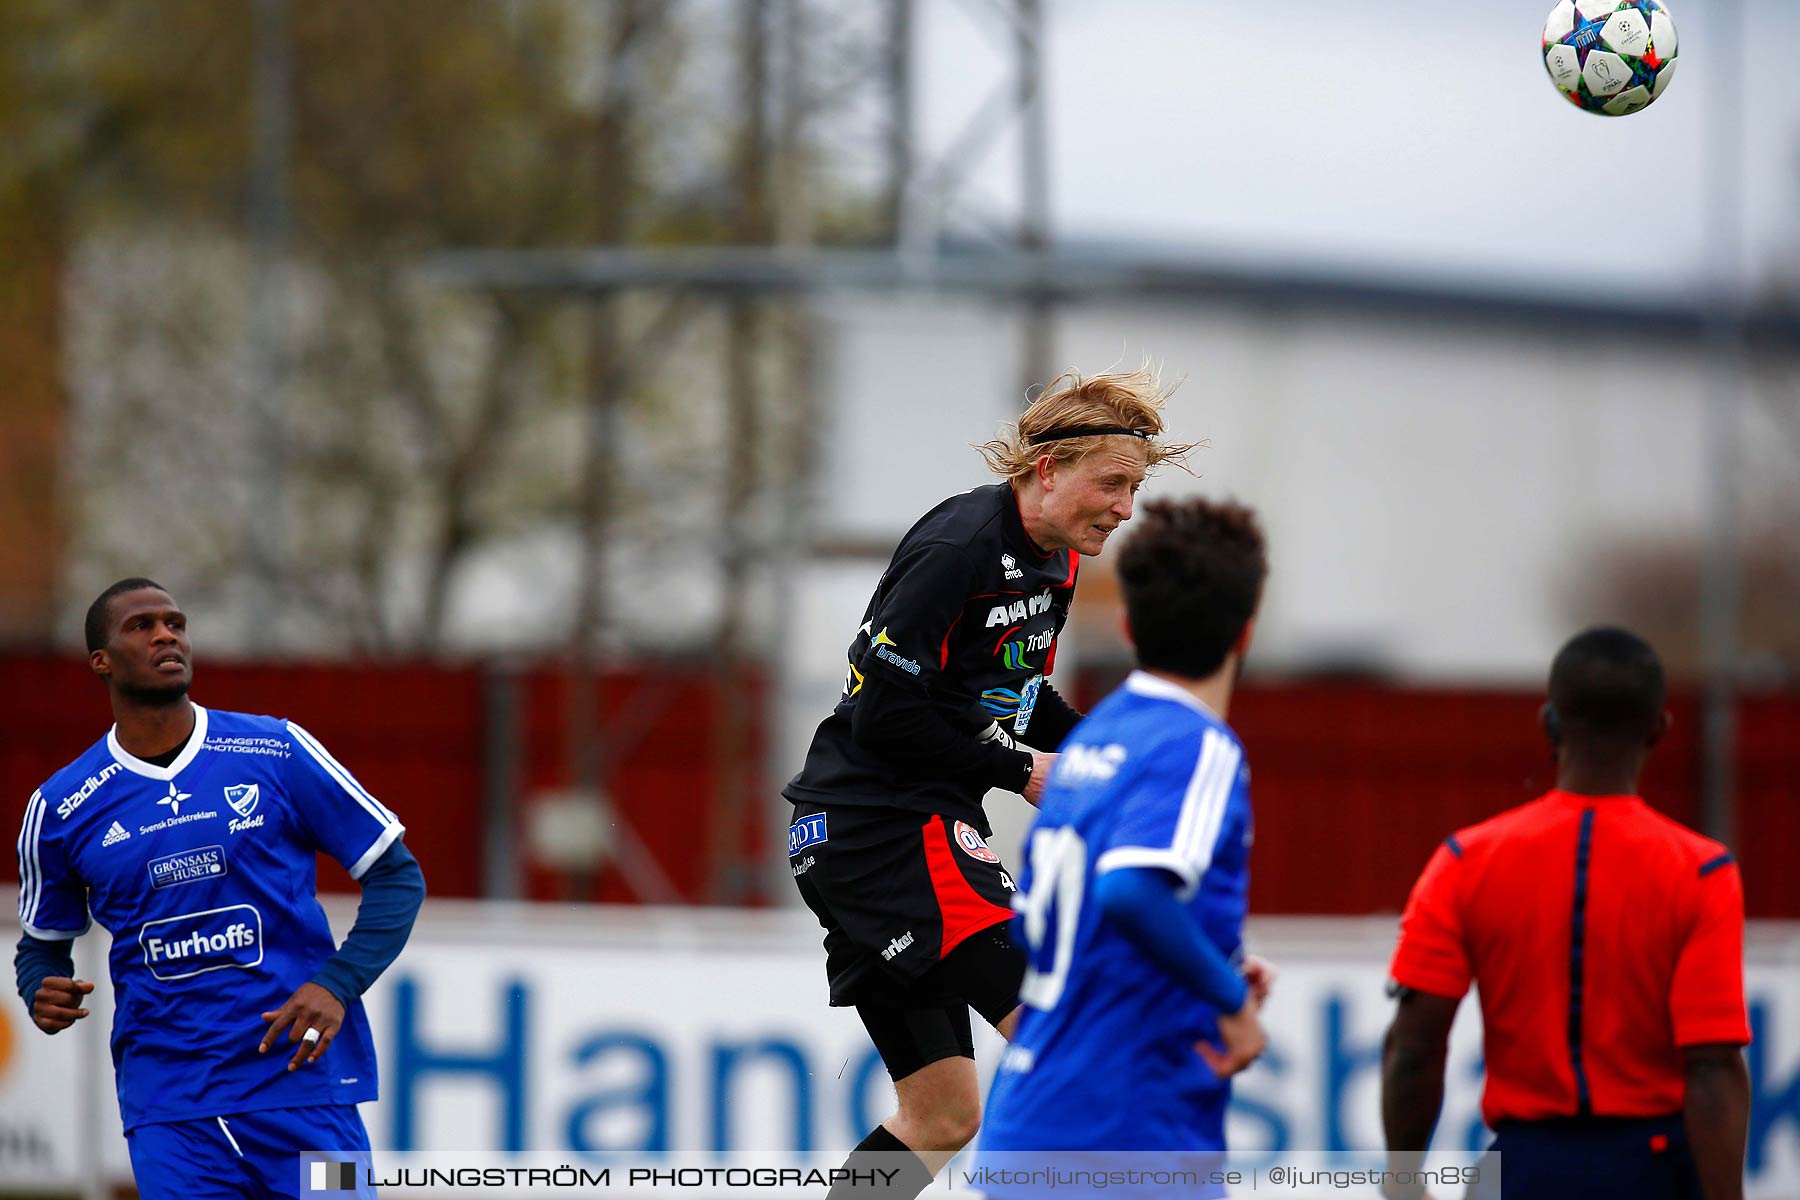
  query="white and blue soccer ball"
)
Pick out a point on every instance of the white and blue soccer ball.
point(1610, 57)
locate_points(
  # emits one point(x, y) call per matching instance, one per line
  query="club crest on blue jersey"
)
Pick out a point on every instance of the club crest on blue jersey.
point(807, 831)
point(242, 797)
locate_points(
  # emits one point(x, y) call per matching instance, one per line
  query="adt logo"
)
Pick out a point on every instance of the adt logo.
point(807, 831)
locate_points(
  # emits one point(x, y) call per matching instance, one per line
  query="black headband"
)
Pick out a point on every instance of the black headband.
point(1078, 431)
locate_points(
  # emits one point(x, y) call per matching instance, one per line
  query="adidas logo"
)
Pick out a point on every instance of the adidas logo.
point(114, 836)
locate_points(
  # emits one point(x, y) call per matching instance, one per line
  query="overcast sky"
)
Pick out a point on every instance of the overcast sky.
point(1425, 140)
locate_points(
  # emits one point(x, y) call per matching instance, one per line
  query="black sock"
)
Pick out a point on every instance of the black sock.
point(888, 1168)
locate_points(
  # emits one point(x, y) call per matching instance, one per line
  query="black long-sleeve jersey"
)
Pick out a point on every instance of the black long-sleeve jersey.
point(949, 669)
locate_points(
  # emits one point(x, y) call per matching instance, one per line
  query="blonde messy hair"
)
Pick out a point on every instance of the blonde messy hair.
point(1132, 399)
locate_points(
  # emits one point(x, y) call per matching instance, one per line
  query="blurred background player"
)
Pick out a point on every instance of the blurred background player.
point(1137, 875)
point(190, 835)
point(948, 676)
point(1607, 944)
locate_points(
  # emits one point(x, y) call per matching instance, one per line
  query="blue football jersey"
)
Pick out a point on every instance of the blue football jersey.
point(203, 872)
point(1104, 1058)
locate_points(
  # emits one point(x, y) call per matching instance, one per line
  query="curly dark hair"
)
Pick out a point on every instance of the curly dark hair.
point(1192, 572)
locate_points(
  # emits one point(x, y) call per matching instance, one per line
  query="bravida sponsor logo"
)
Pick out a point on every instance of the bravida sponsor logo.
point(885, 650)
point(910, 666)
point(198, 942)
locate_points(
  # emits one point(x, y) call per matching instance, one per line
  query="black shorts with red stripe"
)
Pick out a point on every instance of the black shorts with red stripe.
point(898, 893)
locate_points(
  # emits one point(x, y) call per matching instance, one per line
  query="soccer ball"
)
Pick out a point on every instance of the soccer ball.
point(1610, 57)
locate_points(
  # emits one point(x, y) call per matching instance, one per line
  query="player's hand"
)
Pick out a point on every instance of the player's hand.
point(1241, 1038)
point(1260, 974)
point(1040, 775)
point(57, 1004)
point(310, 1007)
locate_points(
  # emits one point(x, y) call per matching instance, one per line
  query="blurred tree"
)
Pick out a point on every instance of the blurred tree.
point(422, 429)
point(30, 514)
point(409, 134)
point(1653, 587)
point(67, 149)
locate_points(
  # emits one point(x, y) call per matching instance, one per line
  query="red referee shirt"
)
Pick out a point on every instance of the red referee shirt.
point(1602, 937)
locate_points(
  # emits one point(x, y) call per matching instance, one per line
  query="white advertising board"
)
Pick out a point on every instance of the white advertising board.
point(589, 1031)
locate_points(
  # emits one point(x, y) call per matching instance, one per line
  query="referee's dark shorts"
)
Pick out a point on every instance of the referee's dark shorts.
point(1590, 1158)
point(915, 908)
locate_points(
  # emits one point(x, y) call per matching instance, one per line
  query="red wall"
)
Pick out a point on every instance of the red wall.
point(416, 737)
point(410, 735)
point(1354, 783)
